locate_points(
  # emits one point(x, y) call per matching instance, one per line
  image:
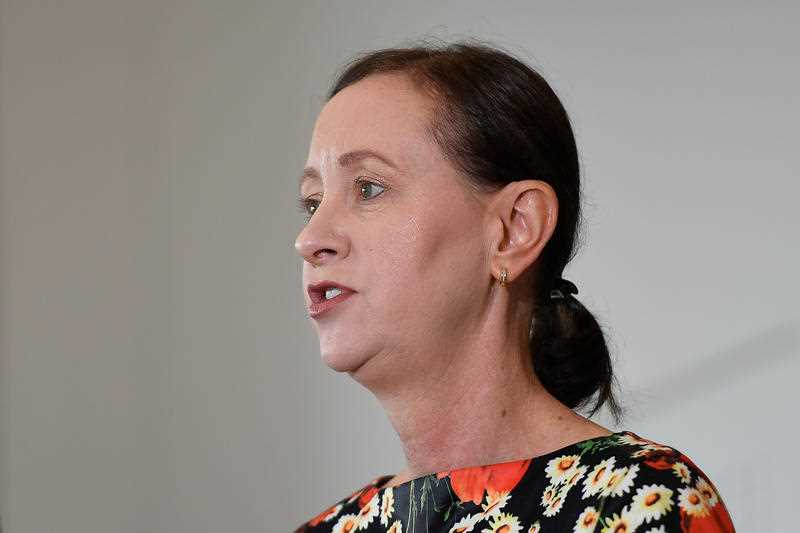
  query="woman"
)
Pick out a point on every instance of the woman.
point(443, 198)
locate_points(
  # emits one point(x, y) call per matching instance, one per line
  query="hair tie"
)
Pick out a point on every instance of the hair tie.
point(563, 288)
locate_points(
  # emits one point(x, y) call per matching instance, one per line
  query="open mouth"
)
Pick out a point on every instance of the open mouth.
point(328, 300)
point(327, 290)
point(325, 295)
point(321, 295)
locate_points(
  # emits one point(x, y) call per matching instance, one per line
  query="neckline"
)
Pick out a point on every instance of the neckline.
point(534, 460)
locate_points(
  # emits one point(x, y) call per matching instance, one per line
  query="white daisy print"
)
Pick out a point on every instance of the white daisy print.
point(555, 505)
point(589, 487)
point(504, 523)
point(387, 506)
point(549, 494)
point(494, 502)
point(631, 440)
point(623, 523)
point(651, 502)
point(346, 524)
point(587, 521)
point(466, 524)
point(682, 471)
point(707, 492)
point(560, 467)
point(596, 479)
point(564, 490)
point(691, 501)
point(620, 481)
point(576, 475)
point(368, 512)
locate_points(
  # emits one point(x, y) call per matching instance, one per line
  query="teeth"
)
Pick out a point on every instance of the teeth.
point(332, 293)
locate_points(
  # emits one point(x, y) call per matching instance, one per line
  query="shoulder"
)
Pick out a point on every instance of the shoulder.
point(650, 486)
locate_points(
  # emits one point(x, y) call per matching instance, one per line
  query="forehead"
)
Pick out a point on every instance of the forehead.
point(384, 113)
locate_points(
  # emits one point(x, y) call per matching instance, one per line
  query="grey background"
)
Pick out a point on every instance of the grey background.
point(158, 370)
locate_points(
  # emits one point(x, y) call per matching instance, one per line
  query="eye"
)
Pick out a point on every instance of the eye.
point(366, 184)
point(304, 204)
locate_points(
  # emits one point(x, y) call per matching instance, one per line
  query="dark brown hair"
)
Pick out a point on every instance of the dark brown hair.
point(498, 120)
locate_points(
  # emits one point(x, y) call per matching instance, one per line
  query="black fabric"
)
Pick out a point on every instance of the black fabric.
point(617, 483)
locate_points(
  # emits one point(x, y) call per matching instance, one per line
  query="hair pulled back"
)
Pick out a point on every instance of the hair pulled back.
point(497, 120)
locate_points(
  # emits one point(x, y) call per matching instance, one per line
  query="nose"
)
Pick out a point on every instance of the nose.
point(321, 241)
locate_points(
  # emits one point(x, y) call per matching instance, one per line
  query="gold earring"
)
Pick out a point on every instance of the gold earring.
point(503, 277)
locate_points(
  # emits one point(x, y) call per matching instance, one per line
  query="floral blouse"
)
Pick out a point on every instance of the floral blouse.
point(614, 484)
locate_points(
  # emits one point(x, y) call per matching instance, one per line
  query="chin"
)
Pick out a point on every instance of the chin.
point(342, 362)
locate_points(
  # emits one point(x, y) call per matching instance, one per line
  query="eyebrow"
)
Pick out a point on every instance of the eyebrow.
point(347, 159)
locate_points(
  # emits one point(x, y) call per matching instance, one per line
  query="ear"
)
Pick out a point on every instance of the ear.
point(524, 215)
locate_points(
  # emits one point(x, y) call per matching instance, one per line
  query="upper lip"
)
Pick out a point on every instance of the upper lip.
point(316, 291)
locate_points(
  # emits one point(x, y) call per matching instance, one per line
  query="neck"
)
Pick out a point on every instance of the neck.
point(470, 425)
point(479, 403)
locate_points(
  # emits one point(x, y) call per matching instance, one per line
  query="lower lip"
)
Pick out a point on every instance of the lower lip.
point(318, 308)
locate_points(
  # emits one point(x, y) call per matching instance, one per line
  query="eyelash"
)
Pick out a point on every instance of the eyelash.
point(304, 203)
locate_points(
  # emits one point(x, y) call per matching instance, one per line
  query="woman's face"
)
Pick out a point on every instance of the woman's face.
point(408, 238)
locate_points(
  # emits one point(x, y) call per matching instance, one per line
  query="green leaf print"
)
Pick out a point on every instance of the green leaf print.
point(427, 500)
point(410, 520)
point(595, 445)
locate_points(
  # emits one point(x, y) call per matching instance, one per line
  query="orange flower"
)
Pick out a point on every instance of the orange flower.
point(716, 521)
point(470, 483)
point(660, 459)
point(366, 495)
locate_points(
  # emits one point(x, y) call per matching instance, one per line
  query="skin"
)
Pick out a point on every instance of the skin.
point(429, 332)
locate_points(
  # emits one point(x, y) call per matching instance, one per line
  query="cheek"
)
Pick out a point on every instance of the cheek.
point(409, 231)
point(402, 251)
point(424, 301)
point(424, 259)
point(399, 253)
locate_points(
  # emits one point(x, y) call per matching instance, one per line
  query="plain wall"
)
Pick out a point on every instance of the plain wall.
point(158, 371)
